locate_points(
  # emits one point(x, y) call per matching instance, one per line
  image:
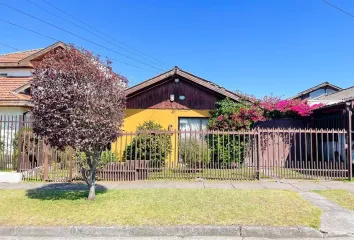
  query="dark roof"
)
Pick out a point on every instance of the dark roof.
point(179, 72)
point(324, 84)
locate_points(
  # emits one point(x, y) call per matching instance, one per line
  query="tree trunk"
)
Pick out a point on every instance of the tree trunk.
point(92, 193)
point(90, 175)
point(92, 183)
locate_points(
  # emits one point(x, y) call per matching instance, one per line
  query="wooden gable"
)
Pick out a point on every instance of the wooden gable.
point(186, 94)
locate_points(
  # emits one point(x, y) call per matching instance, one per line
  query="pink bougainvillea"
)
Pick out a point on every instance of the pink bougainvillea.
point(275, 107)
point(237, 116)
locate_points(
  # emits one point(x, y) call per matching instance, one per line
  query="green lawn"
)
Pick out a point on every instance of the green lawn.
point(341, 197)
point(157, 207)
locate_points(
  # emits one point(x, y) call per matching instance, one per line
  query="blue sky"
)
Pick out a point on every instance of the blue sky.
point(259, 47)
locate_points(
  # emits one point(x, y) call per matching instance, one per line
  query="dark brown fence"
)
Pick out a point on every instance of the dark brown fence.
point(219, 155)
point(303, 153)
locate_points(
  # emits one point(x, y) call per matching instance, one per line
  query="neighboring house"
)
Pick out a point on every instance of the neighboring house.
point(335, 114)
point(15, 77)
point(337, 97)
point(15, 92)
point(315, 92)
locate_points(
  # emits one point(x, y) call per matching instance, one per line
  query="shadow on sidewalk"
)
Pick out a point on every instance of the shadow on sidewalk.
point(63, 191)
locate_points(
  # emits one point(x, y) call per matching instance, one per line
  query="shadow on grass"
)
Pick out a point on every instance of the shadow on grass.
point(63, 191)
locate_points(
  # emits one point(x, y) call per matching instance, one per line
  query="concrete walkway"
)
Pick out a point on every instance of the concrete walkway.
point(335, 219)
point(160, 238)
point(293, 185)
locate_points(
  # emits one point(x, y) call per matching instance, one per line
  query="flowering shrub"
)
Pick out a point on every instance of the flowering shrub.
point(275, 107)
point(229, 150)
point(231, 116)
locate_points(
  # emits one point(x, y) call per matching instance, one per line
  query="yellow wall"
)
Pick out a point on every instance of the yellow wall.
point(165, 117)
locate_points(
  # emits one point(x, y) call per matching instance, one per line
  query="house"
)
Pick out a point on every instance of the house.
point(15, 77)
point(334, 113)
point(317, 91)
point(176, 99)
point(336, 102)
point(337, 113)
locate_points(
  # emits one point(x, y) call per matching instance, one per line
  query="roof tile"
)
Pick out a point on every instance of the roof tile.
point(9, 84)
point(17, 56)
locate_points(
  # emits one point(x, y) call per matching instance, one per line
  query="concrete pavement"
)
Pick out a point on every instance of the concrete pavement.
point(293, 185)
point(162, 238)
point(335, 219)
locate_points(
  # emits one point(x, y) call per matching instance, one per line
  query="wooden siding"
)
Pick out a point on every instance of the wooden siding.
point(158, 96)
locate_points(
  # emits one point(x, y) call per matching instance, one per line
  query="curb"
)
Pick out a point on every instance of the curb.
point(164, 231)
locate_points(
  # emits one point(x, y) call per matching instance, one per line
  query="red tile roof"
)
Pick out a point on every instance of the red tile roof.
point(9, 84)
point(17, 56)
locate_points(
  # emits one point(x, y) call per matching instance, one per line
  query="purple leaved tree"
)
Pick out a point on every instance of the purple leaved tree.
point(78, 102)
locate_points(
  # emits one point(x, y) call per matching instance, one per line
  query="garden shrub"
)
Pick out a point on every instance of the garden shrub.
point(228, 150)
point(151, 143)
point(193, 152)
point(106, 157)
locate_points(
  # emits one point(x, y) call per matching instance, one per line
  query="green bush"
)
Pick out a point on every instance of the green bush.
point(193, 152)
point(227, 150)
point(151, 143)
point(106, 157)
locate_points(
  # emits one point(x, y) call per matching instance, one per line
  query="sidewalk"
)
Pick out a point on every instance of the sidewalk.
point(282, 184)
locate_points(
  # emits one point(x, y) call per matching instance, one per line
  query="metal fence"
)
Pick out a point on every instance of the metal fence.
point(220, 155)
point(9, 132)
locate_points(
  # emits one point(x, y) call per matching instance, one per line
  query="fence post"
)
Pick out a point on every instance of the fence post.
point(45, 161)
point(258, 174)
point(350, 157)
point(71, 165)
point(19, 143)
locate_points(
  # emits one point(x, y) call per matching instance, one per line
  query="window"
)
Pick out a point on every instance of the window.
point(27, 91)
point(317, 93)
point(192, 124)
point(330, 91)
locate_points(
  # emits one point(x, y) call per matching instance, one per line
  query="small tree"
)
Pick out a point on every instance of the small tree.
point(78, 102)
